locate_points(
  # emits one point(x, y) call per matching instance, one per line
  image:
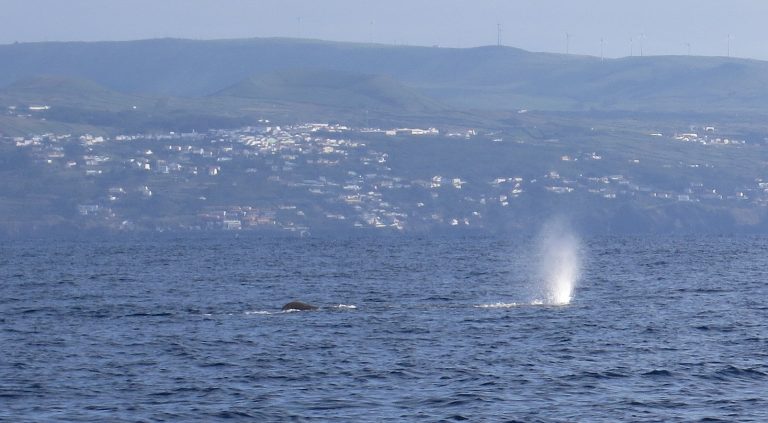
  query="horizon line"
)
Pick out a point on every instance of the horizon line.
point(377, 44)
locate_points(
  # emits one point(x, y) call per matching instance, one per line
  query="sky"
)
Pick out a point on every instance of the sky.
point(616, 27)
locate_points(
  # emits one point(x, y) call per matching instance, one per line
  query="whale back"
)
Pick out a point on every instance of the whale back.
point(298, 305)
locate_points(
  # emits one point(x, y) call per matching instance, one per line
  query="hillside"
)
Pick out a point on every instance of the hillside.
point(67, 92)
point(322, 178)
point(331, 88)
point(174, 137)
point(487, 78)
point(77, 105)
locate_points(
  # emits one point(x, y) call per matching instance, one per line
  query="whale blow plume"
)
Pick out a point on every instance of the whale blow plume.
point(560, 261)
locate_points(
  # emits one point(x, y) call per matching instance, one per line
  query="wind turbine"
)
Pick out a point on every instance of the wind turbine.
point(602, 42)
point(567, 43)
point(730, 37)
point(642, 38)
point(688, 46)
point(371, 31)
point(498, 35)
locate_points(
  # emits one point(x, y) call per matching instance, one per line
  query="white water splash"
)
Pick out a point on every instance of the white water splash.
point(346, 307)
point(560, 262)
point(498, 305)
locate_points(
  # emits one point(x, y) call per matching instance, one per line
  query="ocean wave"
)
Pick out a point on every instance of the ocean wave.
point(658, 373)
point(733, 372)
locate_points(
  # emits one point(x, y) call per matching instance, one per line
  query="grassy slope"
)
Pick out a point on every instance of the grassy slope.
point(483, 78)
point(334, 89)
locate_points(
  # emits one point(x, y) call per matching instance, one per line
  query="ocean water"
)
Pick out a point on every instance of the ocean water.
point(410, 329)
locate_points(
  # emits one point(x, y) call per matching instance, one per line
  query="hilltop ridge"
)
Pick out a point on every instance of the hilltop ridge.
point(482, 78)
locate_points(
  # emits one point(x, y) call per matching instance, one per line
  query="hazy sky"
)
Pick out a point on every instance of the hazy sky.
point(669, 26)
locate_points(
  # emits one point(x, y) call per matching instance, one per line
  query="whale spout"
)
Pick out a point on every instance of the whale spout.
point(298, 305)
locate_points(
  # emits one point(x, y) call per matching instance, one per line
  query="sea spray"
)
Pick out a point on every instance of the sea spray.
point(559, 262)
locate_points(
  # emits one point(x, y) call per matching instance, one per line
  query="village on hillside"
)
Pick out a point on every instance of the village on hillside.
point(315, 176)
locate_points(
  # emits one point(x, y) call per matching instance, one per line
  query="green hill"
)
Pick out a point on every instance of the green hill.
point(67, 92)
point(332, 89)
point(382, 76)
point(76, 105)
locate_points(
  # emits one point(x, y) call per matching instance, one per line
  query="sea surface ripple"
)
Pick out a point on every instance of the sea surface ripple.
point(416, 329)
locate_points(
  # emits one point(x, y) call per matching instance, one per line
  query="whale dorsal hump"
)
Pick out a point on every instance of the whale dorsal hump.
point(298, 305)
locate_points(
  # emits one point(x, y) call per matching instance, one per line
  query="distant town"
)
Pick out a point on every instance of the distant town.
point(319, 176)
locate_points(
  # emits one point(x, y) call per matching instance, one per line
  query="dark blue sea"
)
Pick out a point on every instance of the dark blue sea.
point(410, 329)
